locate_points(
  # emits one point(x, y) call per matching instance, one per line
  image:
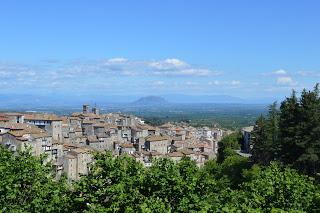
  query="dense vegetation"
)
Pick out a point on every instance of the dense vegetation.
point(123, 185)
point(291, 134)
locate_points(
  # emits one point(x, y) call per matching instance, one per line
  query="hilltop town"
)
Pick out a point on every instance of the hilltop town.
point(69, 142)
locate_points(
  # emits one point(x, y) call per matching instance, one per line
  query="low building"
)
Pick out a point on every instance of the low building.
point(77, 162)
point(157, 143)
point(48, 122)
point(28, 137)
point(127, 148)
point(15, 117)
point(175, 156)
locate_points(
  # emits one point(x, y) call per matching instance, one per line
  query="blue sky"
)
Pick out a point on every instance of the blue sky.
point(249, 49)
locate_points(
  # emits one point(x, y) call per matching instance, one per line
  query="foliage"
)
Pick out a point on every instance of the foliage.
point(278, 187)
point(121, 184)
point(265, 137)
point(28, 186)
point(291, 135)
point(228, 145)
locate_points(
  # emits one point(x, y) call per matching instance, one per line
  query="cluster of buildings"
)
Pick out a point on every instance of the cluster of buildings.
point(70, 141)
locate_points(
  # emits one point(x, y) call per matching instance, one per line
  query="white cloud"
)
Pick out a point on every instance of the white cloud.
point(128, 73)
point(309, 73)
point(191, 83)
point(214, 82)
point(280, 72)
point(275, 73)
point(158, 83)
point(195, 72)
point(90, 73)
point(116, 60)
point(4, 74)
point(235, 83)
point(171, 63)
point(176, 67)
point(285, 80)
point(186, 72)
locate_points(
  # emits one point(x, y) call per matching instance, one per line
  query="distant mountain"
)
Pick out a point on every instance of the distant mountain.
point(151, 101)
point(180, 98)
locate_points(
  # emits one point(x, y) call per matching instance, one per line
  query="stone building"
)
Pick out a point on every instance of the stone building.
point(157, 143)
point(77, 162)
point(127, 148)
point(15, 117)
point(22, 137)
point(48, 122)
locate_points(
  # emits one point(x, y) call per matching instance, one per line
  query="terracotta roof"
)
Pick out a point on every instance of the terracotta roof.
point(79, 150)
point(186, 151)
point(34, 131)
point(144, 127)
point(126, 145)
point(92, 115)
point(42, 117)
point(74, 118)
point(76, 114)
point(202, 145)
point(180, 143)
point(156, 138)
point(3, 118)
point(70, 146)
point(14, 126)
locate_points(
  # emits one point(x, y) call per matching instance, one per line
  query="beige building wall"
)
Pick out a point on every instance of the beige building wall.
point(70, 167)
point(57, 130)
point(159, 146)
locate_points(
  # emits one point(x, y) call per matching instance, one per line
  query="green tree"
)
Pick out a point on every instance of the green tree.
point(289, 121)
point(112, 185)
point(228, 145)
point(29, 186)
point(309, 131)
point(259, 140)
point(278, 187)
point(265, 137)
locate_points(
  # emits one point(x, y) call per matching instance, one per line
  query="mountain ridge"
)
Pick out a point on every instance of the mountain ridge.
point(151, 100)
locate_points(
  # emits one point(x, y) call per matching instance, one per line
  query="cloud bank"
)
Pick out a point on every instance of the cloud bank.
point(126, 76)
